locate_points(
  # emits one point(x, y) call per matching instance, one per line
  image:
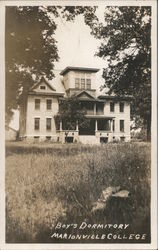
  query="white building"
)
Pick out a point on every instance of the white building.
point(109, 115)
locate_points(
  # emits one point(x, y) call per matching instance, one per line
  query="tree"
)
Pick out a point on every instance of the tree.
point(126, 46)
point(71, 112)
point(31, 48)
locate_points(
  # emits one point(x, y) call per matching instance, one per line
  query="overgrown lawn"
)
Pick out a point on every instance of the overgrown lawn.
point(50, 183)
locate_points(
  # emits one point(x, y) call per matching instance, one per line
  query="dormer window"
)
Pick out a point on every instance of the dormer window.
point(42, 87)
point(88, 81)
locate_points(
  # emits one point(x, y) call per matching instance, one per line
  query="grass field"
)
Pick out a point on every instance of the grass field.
point(51, 183)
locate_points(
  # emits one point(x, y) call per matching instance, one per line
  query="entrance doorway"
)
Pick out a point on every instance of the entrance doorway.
point(89, 130)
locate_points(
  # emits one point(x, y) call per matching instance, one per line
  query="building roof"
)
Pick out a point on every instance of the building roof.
point(45, 81)
point(45, 93)
point(114, 97)
point(67, 69)
point(84, 93)
point(55, 85)
point(8, 127)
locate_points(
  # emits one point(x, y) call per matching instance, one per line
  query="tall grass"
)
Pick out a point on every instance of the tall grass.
point(46, 184)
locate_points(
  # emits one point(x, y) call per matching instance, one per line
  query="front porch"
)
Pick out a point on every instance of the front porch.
point(100, 129)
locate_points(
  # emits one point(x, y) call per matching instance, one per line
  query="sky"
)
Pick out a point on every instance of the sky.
point(76, 47)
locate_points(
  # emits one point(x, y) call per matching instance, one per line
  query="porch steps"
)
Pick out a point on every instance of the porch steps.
point(89, 139)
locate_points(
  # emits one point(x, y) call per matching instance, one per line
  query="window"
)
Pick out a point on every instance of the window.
point(37, 104)
point(112, 106)
point(48, 138)
point(121, 107)
point(122, 138)
point(113, 125)
point(48, 123)
point(49, 104)
point(88, 83)
point(37, 123)
point(77, 83)
point(103, 139)
point(42, 87)
point(36, 138)
point(69, 139)
point(82, 83)
point(122, 125)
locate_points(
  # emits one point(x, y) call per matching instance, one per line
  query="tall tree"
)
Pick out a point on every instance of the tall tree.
point(126, 46)
point(31, 48)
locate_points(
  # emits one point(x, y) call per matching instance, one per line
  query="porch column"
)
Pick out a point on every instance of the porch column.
point(95, 108)
point(111, 125)
point(77, 126)
point(96, 125)
point(60, 126)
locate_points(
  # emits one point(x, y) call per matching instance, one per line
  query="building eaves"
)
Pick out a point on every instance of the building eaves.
point(110, 97)
point(43, 80)
point(45, 93)
point(67, 69)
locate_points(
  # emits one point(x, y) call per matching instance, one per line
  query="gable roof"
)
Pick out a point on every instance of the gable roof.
point(45, 81)
point(85, 93)
point(67, 69)
point(8, 127)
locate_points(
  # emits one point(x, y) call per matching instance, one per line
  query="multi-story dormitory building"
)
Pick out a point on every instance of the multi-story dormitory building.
point(109, 115)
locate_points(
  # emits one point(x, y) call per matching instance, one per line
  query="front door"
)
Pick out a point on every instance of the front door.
point(89, 130)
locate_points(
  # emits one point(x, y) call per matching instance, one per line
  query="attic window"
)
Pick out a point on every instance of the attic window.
point(42, 87)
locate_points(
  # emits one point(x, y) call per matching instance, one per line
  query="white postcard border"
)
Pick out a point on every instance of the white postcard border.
point(153, 245)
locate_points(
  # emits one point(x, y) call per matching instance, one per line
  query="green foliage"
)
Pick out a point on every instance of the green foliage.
point(46, 184)
point(72, 112)
point(126, 46)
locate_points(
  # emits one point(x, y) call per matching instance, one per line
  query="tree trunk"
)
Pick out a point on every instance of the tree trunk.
point(149, 129)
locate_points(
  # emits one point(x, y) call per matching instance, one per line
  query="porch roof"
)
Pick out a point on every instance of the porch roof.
point(116, 98)
point(100, 117)
point(86, 100)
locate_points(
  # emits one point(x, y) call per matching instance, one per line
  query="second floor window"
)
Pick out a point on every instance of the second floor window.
point(48, 123)
point(49, 104)
point(82, 83)
point(37, 123)
point(77, 83)
point(112, 107)
point(88, 81)
point(122, 125)
point(37, 104)
point(121, 107)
